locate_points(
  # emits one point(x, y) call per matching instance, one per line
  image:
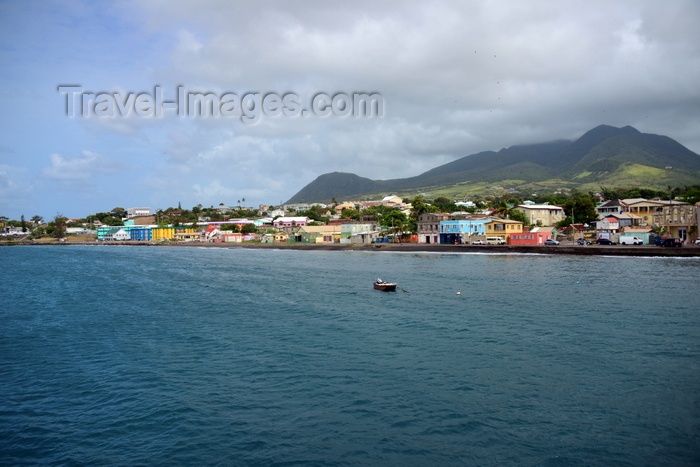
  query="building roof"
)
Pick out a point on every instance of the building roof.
point(629, 201)
point(291, 219)
point(576, 227)
point(540, 206)
point(321, 229)
point(625, 215)
point(504, 221)
point(611, 203)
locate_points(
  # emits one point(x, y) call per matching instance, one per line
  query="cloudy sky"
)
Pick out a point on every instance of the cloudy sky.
point(455, 78)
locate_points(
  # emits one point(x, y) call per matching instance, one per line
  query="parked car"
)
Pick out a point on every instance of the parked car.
point(583, 241)
point(550, 241)
point(478, 242)
point(630, 240)
point(605, 241)
point(697, 242)
point(672, 242)
point(658, 241)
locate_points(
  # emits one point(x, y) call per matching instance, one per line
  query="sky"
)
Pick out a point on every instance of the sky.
point(453, 79)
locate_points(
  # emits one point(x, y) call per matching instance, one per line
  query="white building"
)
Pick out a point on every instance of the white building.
point(136, 212)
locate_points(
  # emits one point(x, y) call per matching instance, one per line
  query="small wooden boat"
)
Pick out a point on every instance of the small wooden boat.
point(384, 286)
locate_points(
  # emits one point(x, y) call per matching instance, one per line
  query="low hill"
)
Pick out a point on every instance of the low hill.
point(603, 156)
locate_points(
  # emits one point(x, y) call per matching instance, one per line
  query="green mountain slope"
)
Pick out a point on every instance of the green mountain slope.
point(603, 156)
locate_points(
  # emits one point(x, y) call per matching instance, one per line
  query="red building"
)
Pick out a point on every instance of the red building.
point(535, 236)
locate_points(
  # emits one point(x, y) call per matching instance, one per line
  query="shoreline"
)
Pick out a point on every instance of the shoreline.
point(575, 250)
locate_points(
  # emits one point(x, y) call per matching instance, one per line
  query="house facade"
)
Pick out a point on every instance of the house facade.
point(358, 233)
point(534, 236)
point(644, 209)
point(612, 206)
point(429, 226)
point(462, 230)
point(282, 222)
point(315, 234)
point(503, 228)
point(678, 220)
point(542, 214)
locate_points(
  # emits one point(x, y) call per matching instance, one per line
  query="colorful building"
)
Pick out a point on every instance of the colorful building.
point(503, 228)
point(429, 226)
point(542, 214)
point(461, 230)
point(534, 236)
point(316, 234)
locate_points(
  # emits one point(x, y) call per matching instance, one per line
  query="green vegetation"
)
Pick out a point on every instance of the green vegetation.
point(604, 156)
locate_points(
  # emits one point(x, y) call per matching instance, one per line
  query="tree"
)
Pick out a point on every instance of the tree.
point(57, 227)
point(118, 213)
point(420, 206)
point(583, 208)
point(395, 221)
point(518, 215)
point(691, 194)
point(231, 227)
point(24, 224)
point(349, 213)
point(444, 204)
point(248, 229)
point(37, 219)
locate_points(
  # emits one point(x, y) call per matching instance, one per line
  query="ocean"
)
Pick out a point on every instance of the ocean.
point(119, 355)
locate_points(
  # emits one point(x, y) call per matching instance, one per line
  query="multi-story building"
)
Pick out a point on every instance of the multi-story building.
point(643, 208)
point(429, 226)
point(612, 206)
point(462, 230)
point(677, 219)
point(542, 214)
point(503, 228)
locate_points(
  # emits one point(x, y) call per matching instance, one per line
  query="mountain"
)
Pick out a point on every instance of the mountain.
point(603, 156)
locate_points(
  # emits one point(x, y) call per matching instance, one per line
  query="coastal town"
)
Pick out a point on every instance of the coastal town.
point(581, 220)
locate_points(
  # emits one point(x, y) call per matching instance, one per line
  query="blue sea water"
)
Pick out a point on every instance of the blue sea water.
point(176, 356)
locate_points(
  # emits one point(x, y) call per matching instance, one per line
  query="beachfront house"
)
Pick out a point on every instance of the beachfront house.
point(462, 230)
point(503, 228)
point(358, 233)
point(429, 226)
point(534, 236)
point(315, 234)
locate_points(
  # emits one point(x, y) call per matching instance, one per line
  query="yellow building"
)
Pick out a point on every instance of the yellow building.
point(168, 233)
point(645, 209)
point(503, 228)
point(542, 214)
point(316, 234)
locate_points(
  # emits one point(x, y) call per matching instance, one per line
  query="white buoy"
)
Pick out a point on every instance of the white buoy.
point(458, 293)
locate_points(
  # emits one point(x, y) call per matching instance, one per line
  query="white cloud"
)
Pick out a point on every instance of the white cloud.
point(80, 168)
point(457, 78)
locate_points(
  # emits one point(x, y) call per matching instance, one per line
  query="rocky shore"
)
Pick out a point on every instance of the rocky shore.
point(578, 250)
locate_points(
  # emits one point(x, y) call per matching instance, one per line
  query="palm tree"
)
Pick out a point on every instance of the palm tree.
point(503, 209)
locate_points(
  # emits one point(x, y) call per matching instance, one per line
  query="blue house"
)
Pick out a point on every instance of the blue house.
point(460, 230)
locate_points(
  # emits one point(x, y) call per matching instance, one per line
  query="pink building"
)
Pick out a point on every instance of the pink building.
point(536, 236)
point(290, 222)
